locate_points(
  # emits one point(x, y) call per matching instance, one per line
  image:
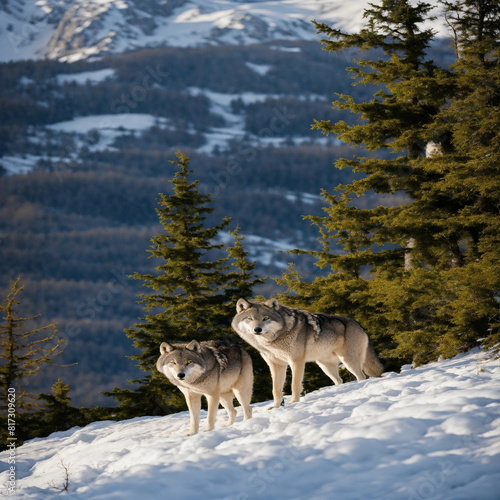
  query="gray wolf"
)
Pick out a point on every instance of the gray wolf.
point(286, 336)
point(213, 369)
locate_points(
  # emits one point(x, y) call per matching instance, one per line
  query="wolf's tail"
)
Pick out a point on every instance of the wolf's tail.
point(372, 365)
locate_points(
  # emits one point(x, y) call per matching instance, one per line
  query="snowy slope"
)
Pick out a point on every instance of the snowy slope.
point(430, 432)
point(78, 29)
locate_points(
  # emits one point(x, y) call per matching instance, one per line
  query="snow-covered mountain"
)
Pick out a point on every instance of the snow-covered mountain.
point(430, 432)
point(69, 30)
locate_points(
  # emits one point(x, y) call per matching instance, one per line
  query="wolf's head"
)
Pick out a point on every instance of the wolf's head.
point(181, 362)
point(261, 319)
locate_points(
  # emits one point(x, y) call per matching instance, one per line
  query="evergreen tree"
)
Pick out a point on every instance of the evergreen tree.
point(461, 204)
point(58, 414)
point(23, 351)
point(406, 271)
point(466, 186)
point(242, 285)
point(242, 281)
point(193, 293)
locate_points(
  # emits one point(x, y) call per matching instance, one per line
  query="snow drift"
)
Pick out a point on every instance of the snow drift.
point(430, 432)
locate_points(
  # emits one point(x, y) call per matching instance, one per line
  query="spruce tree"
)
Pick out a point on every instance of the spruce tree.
point(192, 294)
point(242, 280)
point(58, 414)
point(460, 276)
point(407, 95)
point(242, 285)
point(406, 271)
point(466, 187)
point(24, 350)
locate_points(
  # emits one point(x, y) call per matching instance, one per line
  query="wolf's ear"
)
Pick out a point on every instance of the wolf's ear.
point(165, 347)
point(242, 305)
point(194, 345)
point(272, 304)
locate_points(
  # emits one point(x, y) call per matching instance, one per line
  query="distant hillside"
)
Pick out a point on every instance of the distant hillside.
point(86, 148)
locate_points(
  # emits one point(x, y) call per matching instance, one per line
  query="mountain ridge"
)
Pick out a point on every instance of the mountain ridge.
point(81, 30)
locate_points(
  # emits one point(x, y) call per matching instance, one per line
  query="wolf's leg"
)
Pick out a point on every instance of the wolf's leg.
point(226, 400)
point(194, 404)
point(213, 406)
point(353, 365)
point(331, 369)
point(278, 374)
point(244, 385)
point(298, 367)
point(244, 396)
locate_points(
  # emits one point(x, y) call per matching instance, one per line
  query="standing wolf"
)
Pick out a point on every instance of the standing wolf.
point(286, 336)
point(216, 370)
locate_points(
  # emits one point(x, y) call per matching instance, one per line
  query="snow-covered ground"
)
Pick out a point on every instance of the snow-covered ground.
point(82, 78)
point(15, 165)
point(234, 129)
point(123, 121)
point(108, 127)
point(427, 433)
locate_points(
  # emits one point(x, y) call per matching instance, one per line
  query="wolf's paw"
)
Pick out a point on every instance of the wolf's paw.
point(275, 405)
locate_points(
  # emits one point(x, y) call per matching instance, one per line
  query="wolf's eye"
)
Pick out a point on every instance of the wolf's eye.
point(250, 318)
point(188, 362)
point(173, 362)
point(265, 318)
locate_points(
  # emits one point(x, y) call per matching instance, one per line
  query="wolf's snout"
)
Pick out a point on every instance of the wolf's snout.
point(181, 375)
point(257, 330)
